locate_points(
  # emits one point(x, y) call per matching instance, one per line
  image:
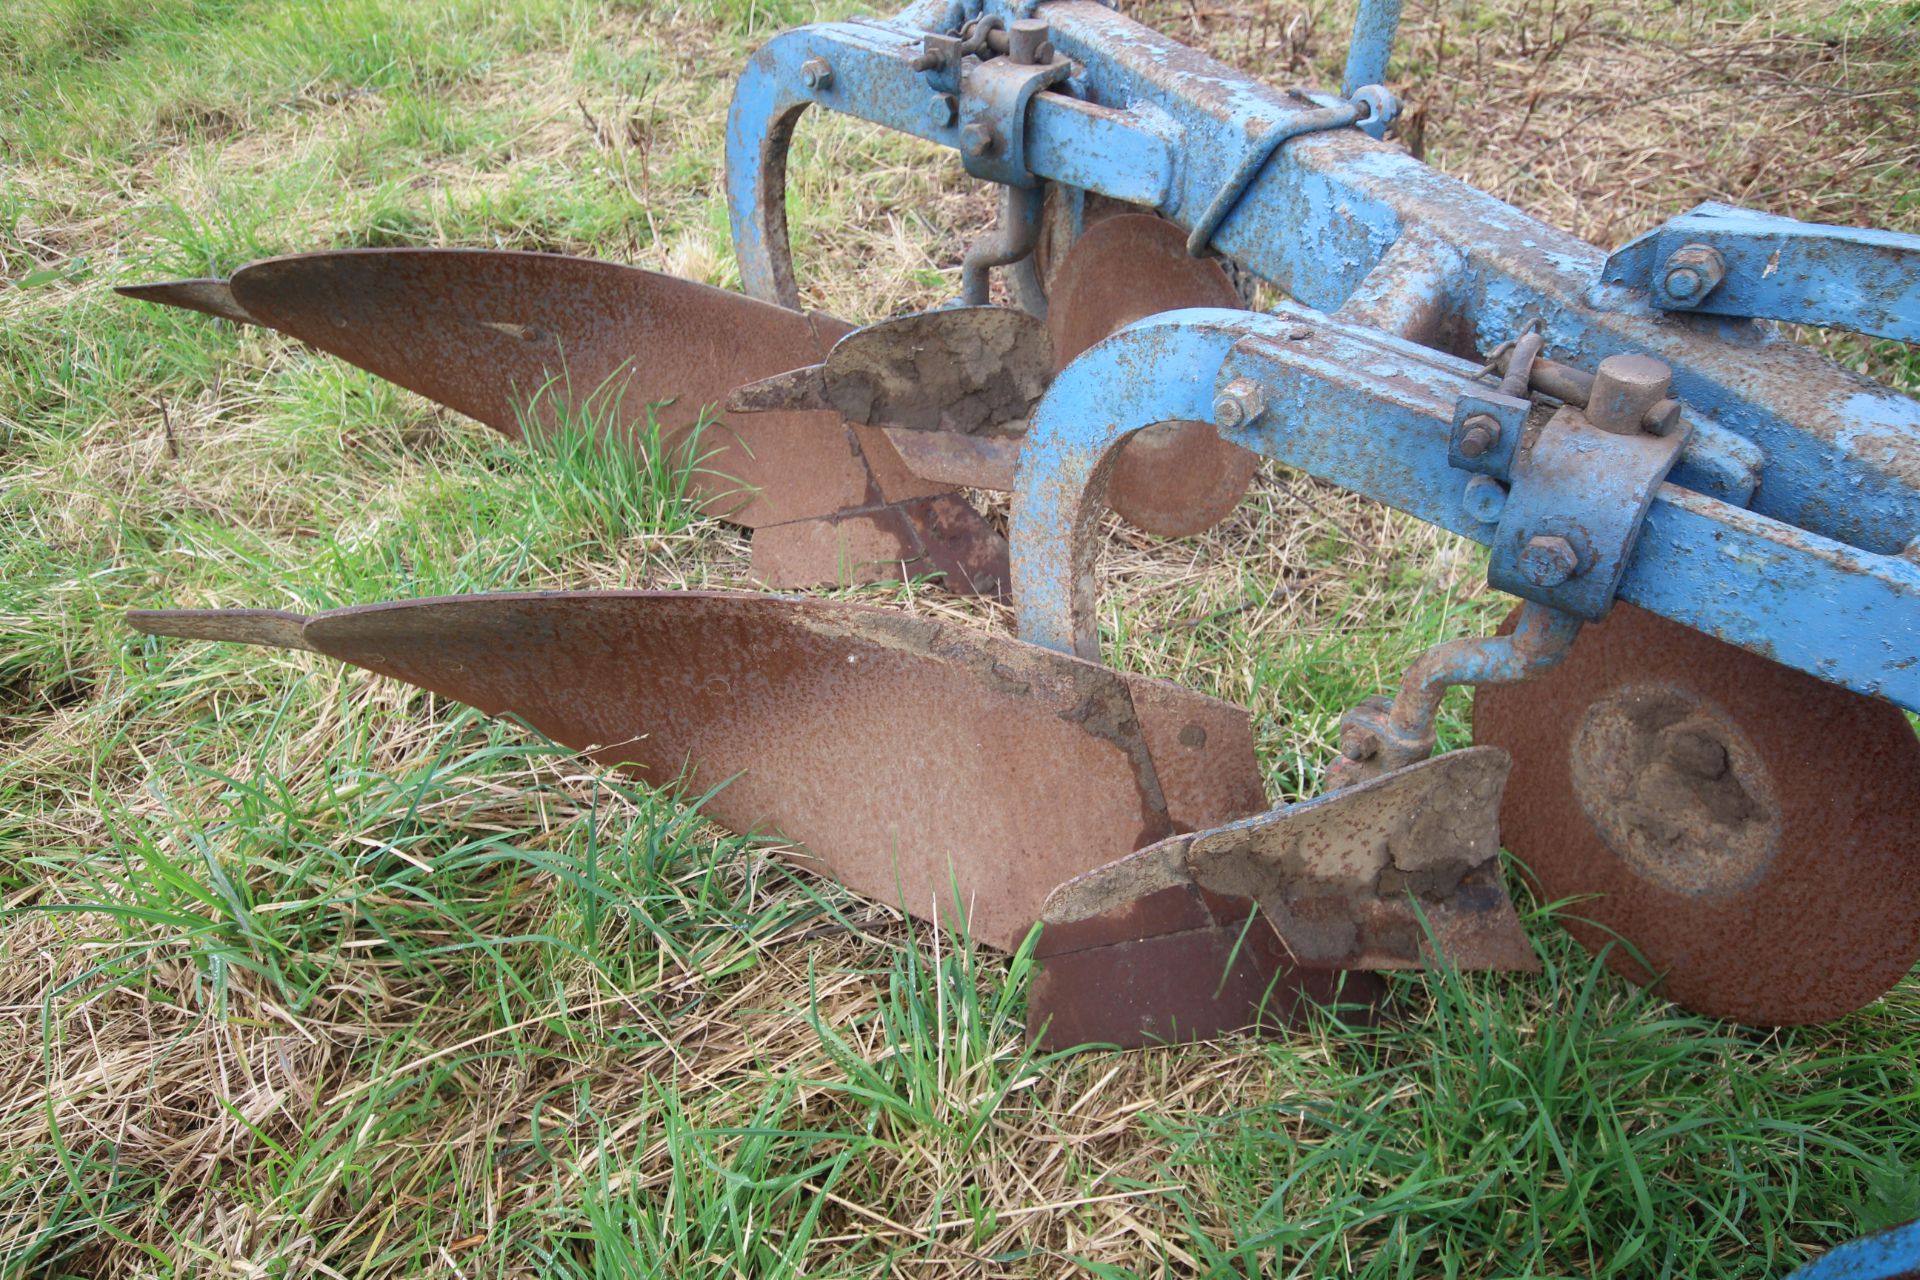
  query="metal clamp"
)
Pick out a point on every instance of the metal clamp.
point(994, 92)
point(1369, 103)
point(1581, 488)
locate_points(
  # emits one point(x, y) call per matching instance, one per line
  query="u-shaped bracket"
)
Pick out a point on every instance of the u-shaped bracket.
point(859, 68)
point(1159, 369)
point(768, 100)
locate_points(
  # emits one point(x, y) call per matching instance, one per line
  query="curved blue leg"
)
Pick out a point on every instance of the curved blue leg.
point(1160, 369)
point(1893, 1254)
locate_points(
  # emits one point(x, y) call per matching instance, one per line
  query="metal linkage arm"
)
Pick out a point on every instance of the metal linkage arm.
point(1383, 734)
point(1726, 261)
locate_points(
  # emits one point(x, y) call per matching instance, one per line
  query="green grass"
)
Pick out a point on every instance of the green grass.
point(308, 973)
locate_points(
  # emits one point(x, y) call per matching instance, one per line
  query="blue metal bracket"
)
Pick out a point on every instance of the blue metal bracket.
point(1726, 261)
point(1496, 419)
point(1372, 413)
point(1825, 462)
point(1145, 121)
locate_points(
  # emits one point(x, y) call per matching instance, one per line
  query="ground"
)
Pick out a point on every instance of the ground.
point(307, 973)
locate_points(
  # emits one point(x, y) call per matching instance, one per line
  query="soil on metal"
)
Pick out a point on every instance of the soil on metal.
point(969, 370)
point(1676, 790)
point(1779, 884)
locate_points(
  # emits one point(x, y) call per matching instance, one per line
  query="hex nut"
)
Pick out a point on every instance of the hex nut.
point(1239, 403)
point(1357, 742)
point(1479, 433)
point(941, 108)
point(1548, 560)
point(976, 139)
point(1691, 272)
point(816, 74)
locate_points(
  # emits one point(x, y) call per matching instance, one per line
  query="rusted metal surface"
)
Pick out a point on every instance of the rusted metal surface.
point(977, 462)
point(488, 333)
point(1179, 965)
point(209, 297)
point(897, 482)
point(965, 370)
point(483, 332)
point(509, 338)
point(907, 756)
point(972, 374)
point(1740, 822)
point(1012, 240)
point(1176, 478)
point(1354, 879)
point(941, 538)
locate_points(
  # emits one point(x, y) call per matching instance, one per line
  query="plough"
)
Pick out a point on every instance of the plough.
point(1692, 723)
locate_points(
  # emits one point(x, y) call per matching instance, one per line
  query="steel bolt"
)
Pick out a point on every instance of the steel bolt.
point(1239, 404)
point(1485, 498)
point(940, 110)
point(1478, 434)
point(1625, 391)
point(1548, 560)
point(1683, 283)
point(1663, 418)
point(1692, 272)
point(976, 139)
point(1358, 742)
point(816, 74)
point(1026, 39)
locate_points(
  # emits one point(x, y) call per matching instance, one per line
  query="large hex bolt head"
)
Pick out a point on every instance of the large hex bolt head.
point(941, 108)
point(1485, 499)
point(1691, 273)
point(816, 74)
point(976, 139)
point(1239, 404)
point(1548, 560)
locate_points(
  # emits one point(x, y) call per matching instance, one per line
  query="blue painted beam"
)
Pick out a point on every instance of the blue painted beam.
point(1893, 1254)
point(1149, 121)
